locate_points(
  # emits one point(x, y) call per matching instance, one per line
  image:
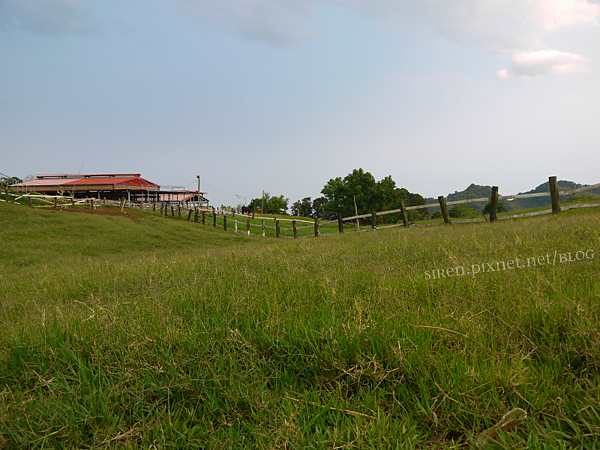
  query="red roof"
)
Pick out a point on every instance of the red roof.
point(114, 181)
point(94, 175)
point(122, 180)
point(44, 182)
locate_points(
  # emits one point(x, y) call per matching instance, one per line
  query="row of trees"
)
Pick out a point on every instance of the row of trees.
point(356, 194)
point(359, 193)
point(270, 205)
point(7, 181)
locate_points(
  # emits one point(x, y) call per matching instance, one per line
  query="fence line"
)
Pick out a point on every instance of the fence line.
point(232, 223)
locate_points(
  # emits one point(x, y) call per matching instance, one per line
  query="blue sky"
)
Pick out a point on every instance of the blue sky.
point(282, 95)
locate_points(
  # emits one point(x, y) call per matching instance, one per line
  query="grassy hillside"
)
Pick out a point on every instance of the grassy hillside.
point(51, 237)
point(124, 333)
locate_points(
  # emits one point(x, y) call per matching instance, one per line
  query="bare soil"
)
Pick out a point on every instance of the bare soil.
point(101, 212)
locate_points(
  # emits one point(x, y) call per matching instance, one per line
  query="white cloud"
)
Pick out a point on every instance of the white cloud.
point(513, 29)
point(544, 62)
point(48, 17)
point(502, 74)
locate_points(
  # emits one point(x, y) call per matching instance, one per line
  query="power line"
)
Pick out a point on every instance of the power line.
point(217, 189)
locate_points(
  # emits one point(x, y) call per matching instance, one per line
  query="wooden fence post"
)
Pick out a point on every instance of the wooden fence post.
point(154, 206)
point(248, 227)
point(179, 209)
point(92, 203)
point(404, 214)
point(30, 201)
point(373, 221)
point(203, 217)
point(189, 215)
point(554, 195)
point(277, 229)
point(263, 228)
point(494, 204)
point(225, 222)
point(55, 200)
point(214, 218)
point(73, 203)
point(316, 227)
point(172, 211)
point(235, 222)
point(196, 215)
point(6, 193)
point(444, 209)
point(341, 224)
point(295, 230)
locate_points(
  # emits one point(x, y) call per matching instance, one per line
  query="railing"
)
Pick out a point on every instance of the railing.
point(292, 228)
point(332, 227)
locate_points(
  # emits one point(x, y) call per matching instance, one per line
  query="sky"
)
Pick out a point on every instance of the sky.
point(283, 95)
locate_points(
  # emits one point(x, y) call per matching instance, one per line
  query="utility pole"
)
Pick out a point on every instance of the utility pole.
point(198, 176)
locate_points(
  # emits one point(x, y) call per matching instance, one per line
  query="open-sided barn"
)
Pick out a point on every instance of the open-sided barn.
point(130, 186)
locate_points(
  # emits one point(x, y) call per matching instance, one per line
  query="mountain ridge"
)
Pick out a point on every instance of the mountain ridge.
point(478, 191)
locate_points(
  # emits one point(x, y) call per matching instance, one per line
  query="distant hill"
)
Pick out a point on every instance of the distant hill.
point(473, 191)
point(540, 202)
point(478, 191)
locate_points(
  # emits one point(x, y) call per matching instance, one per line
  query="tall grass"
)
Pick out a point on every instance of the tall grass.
point(168, 334)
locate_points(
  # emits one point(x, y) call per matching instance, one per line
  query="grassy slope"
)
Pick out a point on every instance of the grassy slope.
point(161, 332)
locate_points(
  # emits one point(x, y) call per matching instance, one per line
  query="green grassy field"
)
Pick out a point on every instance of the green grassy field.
point(162, 333)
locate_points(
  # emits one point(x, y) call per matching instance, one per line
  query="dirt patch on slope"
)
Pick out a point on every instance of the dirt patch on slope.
point(101, 212)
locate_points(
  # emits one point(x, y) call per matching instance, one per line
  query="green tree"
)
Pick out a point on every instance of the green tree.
point(318, 208)
point(4, 182)
point(273, 205)
point(462, 210)
point(412, 199)
point(359, 186)
point(302, 208)
point(278, 205)
point(488, 208)
point(369, 195)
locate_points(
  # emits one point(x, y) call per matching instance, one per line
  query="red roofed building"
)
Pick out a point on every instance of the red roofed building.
point(106, 185)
